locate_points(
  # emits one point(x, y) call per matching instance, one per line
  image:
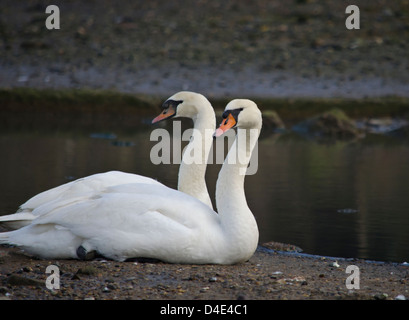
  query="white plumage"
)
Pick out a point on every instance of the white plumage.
point(150, 220)
point(191, 176)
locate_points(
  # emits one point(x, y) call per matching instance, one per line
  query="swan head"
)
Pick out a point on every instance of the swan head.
point(183, 104)
point(240, 113)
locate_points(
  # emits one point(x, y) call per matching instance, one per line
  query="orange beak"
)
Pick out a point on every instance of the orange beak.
point(226, 124)
point(167, 113)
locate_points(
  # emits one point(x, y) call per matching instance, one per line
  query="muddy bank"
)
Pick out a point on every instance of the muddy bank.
point(258, 48)
point(267, 275)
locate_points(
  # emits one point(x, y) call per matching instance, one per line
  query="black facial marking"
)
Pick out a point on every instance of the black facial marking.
point(171, 103)
point(234, 113)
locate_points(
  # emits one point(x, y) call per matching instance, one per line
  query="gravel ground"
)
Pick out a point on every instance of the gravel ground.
point(268, 275)
point(253, 48)
point(220, 48)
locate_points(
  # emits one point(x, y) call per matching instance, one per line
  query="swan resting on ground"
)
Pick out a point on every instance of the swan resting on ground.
point(154, 221)
point(191, 179)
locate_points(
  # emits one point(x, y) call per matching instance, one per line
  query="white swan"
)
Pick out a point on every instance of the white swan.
point(154, 221)
point(191, 179)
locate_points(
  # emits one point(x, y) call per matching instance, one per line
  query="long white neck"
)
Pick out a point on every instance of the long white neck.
point(192, 173)
point(238, 222)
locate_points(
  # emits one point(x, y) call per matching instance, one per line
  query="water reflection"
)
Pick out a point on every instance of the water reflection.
point(347, 199)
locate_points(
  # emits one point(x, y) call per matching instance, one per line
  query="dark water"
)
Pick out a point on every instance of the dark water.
point(343, 199)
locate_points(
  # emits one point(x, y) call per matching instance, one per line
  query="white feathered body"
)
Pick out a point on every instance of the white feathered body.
point(128, 221)
point(92, 184)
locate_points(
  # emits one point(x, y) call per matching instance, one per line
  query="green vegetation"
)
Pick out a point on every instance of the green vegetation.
point(33, 110)
point(355, 108)
point(101, 101)
point(74, 100)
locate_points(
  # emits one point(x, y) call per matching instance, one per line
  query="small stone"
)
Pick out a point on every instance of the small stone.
point(75, 277)
point(27, 269)
point(400, 297)
point(275, 274)
point(333, 124)
point(3, 290)
point(88, 270)
point(298, 279)
point(381, 296)
point(53, 292)
point(213, 279)
point(15, 280)
point(111, 286)
point(335, 264)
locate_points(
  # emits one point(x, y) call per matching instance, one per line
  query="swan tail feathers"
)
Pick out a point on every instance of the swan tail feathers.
point(5, 238)
point(16, 220)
